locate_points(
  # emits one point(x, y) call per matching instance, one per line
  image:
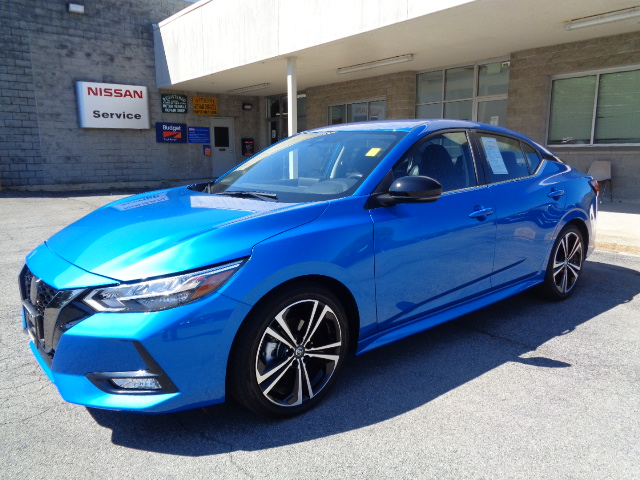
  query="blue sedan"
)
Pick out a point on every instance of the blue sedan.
point(334, 241)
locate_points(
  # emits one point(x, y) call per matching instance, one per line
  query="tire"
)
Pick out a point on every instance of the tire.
point(288, 352)
point(565, 264)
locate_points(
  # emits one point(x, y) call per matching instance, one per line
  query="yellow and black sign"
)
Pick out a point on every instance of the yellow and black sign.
point(205, 105)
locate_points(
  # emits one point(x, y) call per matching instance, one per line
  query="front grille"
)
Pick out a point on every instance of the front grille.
point(49, 312)
point(44, 294)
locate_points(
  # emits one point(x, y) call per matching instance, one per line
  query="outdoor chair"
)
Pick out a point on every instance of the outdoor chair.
point(600, 170)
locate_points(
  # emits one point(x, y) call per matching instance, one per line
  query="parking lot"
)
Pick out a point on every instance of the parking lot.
point(523, 389)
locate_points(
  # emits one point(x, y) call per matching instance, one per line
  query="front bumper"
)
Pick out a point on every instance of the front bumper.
point(184, 348)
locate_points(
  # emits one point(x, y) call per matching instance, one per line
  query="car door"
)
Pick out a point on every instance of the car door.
point(528, 205)
point(431, 255)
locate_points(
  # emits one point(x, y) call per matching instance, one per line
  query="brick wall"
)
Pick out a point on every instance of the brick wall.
point(399, 89)
point(530, 95)
point(20, 158)
point(45, 51)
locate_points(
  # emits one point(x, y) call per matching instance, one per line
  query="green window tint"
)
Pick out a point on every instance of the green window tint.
point(618, 111)
point(572, 101)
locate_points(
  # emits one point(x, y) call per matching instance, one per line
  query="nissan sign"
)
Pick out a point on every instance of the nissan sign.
point(108, 105)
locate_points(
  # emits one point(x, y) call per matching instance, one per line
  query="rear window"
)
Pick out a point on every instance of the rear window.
point(533, 158)
point(504, 156)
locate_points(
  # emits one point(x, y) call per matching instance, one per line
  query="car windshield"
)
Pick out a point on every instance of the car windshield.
point(309, 167)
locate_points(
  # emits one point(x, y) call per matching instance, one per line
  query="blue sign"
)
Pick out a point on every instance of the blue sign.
point(171, 132)
point(199, 134)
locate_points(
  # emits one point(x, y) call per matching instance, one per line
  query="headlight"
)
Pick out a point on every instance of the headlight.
point(162, 293)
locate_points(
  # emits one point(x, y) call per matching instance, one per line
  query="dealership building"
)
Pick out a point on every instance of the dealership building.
point(99, 94)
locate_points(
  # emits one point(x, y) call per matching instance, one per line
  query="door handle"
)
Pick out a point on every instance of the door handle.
point(481, 212)
point(555, 194)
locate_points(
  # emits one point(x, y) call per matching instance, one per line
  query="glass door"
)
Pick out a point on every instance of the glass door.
point(277, 117)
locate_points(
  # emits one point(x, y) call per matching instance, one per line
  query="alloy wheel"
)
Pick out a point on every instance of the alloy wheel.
point(298, 353)
point(567, 262)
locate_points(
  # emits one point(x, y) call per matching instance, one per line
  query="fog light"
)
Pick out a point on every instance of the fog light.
point(152, 381)
point(137, 383)
point(140, 382)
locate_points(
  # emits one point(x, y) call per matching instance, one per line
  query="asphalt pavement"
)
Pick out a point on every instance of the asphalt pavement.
point(525, 388)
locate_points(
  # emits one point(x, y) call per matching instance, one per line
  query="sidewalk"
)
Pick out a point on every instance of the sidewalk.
point(618, 227)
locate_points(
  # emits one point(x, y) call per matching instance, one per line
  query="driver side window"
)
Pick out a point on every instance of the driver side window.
point(445, 157)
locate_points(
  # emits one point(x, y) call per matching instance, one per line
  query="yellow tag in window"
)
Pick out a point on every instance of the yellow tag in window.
point(373, 152)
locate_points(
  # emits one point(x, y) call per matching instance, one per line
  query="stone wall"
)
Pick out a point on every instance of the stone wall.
point(45, 51)
point(530, 96)
point(399, 89)
point(20, 153)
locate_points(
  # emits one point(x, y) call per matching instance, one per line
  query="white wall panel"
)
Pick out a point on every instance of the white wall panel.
point(239, 32)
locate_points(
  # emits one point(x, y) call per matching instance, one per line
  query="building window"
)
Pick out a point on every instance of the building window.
point(362, 111)
point(472, 92)
point(594, 109)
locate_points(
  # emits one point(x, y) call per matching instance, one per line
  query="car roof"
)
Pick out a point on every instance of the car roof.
point(404, 125)
point(428, 125)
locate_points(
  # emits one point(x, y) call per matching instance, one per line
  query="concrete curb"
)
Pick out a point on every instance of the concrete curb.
point(617, 248)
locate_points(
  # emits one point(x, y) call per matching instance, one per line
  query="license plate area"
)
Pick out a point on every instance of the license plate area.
point(35, 324)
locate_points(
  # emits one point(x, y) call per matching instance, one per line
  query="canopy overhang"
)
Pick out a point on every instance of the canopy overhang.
point(216, 46)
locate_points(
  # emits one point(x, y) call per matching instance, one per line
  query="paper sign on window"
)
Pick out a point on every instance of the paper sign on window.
point(494, 157)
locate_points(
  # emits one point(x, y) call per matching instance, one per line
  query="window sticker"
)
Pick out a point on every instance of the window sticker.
point(494, 157)
point(373, 152)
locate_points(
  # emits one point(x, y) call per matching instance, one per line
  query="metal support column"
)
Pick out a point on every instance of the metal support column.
point(292, 96)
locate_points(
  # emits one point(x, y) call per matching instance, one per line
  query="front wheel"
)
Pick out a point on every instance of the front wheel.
point(565, 265)
point(289, 351)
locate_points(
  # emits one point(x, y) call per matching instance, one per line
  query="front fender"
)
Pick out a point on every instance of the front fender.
point(337, 245)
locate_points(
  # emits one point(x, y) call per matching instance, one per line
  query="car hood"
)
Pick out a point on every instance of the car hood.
point(171, 231)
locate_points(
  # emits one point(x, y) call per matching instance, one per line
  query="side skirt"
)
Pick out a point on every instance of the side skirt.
point(441, 316)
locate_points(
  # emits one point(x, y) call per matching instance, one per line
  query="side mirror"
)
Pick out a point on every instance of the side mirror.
point(413, 189)
point(416, 189)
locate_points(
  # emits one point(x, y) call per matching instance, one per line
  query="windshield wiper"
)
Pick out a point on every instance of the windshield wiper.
point(266, 196)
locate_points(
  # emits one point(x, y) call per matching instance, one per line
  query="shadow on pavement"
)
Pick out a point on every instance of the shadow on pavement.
point(392, 380)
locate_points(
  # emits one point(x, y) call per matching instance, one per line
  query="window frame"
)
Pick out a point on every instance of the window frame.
point(475, 99)
point(489, 178)
point(598, 73)
point(281, 116)
point(476, 163)
point(346, 104)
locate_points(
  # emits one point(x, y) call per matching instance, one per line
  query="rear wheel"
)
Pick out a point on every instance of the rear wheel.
point(565, 265)
point(289, 351)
